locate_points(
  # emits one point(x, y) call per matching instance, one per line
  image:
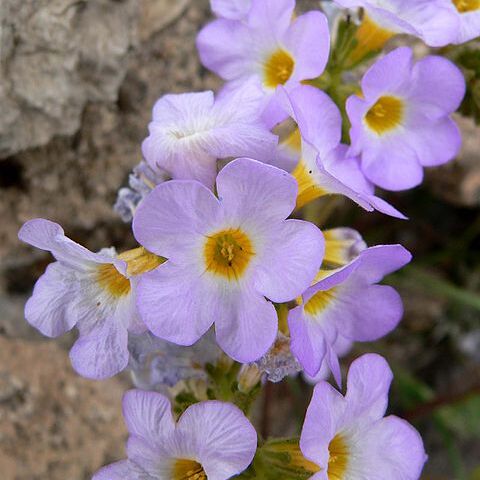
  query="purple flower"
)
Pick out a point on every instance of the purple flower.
point(91, 291)
point(211, 440)
point(341, 347)
point(231, 9)
point(225, 255)
point(324, 167)
point(431, 20)
point(468, 12)
point(267, 48)
point(342, 245)
point(403, 122)
point(349, 437)
point(347, 303)
point(191, 131)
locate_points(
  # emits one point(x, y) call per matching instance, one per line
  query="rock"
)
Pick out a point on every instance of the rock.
point(56, 56)
point(54, 424)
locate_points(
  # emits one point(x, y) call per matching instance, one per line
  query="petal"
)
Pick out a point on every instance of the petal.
point(388, 74)
point(232, 9)
point(148, 415)
point(324, 414)
point(102, 352)
point(50, 236)
point(390, 448)
point(177, 304)
point(381, 260)
point(271, 18)
point(439, 84)
point(252, 190)
point(51, 308)
point(224, 47)
point(119, 471)
point(220, 436)
point(247, 327)
point(392, 165)
point(436, 143)
point(303, 104)
point(151, 461)
point(186, 106)
point(367, 313)
point(469, 27)
point(308, 343)
point(291, 262)
point(173, 216)
point(368, 383)
point(308, 39)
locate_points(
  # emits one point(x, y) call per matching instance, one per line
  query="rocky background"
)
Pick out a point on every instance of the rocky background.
point(78, 80)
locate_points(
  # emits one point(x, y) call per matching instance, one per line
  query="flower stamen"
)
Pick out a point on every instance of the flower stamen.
point(278, 69)
point(386, 115)
point(228, 253)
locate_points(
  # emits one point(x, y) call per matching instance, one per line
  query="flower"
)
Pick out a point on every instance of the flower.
point(231, 9)
point(431, 20)
point(342, 245)
point(341, 347)
point(403, 123)
point(349, 437)
point(140, 183)
point(94, 292)
point(267, 48)
point(211, 440)
point(347, 303)
point(468, 12)
point(156, 364)
point(191, 131)
point(323, 166)
point(225, 255)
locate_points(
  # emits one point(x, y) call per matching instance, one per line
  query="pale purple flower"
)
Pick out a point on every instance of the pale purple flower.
point(433, 21)
point(225, 255)
point(348, 437)
point(342, 245)
point(267, 48)
point(211, 440)
point(156, 364)
point(347, 303)
point(341, 347)
point(140, 183)
point(403, 122)
point(323, 165)
point(91, 291)
point(191, 131)
point(468, 13)
point(231, 9)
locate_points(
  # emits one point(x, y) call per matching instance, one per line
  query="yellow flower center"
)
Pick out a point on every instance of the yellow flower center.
point(228, 253)
point(184, 469)
point(370, 37)
point(336, 250)
point(386, 115)
point(319, 301)
point(308, 189)
point(278, 69)
point(338, 459)
point(138, 261)
point(464, 6)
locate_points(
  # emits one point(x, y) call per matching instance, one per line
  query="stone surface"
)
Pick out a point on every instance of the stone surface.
point(54, 424)
point(58, 55)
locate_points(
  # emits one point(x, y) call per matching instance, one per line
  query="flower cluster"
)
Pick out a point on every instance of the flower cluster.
point(229, 286)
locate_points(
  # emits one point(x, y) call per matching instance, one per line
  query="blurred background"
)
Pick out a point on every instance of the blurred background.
point(77, 83)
